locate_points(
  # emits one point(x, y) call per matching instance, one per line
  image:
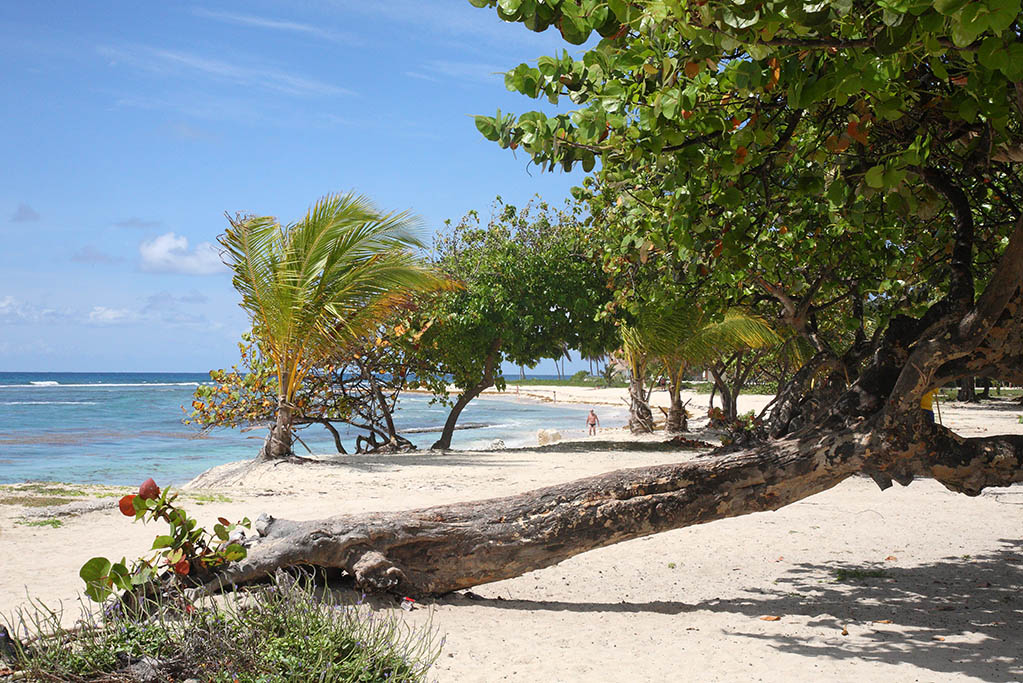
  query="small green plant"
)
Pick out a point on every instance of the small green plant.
point(52, 523)
point(44, 488)
point(843, 574)
point(744, 431)
point(185, 550)
point(272, 633)
point(716, 417)
point(671, 565)
point(203, 498)
point(34, 501)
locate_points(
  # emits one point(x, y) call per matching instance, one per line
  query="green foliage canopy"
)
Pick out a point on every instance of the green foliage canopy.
point(528, 292)
point(828, 151)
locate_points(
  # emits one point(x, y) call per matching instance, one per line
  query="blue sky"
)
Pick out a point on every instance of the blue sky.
point(129, 129)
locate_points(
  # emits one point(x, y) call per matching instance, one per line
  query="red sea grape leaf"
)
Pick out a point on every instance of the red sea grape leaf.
point(149, 490)
point(127, 505)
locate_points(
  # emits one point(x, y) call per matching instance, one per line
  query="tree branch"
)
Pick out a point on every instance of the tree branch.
point(960, 291)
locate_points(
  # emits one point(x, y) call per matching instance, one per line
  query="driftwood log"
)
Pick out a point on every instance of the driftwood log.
point(874, 427)
point(440, 549)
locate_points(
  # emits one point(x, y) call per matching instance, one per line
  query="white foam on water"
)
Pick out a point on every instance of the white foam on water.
point(37, 385)
point(48, 403)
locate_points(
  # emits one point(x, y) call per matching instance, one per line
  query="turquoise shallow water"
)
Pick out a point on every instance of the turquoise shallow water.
point(119, 428)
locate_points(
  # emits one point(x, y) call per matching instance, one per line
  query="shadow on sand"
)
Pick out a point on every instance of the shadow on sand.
point(959, 616)
point(386, 461)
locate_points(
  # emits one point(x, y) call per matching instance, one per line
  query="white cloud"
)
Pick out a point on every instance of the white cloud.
point(169, 253)
point(107, 316)
point(278, 25)
point(14, 311)
point(164, 62)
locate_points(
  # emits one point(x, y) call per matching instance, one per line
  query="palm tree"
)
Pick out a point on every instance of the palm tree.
point(681, 337)
point(636, 355)
point(317, 284)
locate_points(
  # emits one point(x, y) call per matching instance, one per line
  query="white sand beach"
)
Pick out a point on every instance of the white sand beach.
point(913, 583)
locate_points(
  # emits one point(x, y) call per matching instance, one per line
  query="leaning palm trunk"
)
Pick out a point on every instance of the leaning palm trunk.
point(279, 440)
point(641, 419)
point(634, 352)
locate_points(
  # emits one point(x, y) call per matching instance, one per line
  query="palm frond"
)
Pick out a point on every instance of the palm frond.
point(321, 282)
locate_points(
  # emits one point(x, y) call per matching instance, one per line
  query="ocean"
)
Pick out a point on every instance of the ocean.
point(120, 428)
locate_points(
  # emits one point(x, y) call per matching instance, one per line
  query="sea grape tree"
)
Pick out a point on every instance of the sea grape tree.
point(528, 291)
point(857, 161)
point(356, 386)
point(826, 155)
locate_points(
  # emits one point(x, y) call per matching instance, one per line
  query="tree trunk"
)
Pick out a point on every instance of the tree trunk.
point(385, 411)
point(986, 383)
point(279, 440)
point(641, 420)
point(967, 390)
point(490, 365)
point(729, 401)
point(444, 442)
point(445, 548)
point(784, 416)
point(676, 421)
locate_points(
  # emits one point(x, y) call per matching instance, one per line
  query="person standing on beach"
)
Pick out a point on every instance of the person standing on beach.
point(593, 422)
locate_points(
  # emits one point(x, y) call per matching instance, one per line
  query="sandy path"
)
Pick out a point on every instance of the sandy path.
point(677, 606)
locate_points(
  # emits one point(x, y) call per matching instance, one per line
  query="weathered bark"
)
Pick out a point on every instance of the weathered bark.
point(280, 439)
point(451, 547)
point(641, 419)
point(486, 381)
point(676, 421)
point(967, 390)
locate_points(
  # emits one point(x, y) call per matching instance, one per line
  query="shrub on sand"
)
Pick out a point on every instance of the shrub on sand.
point(281, 631)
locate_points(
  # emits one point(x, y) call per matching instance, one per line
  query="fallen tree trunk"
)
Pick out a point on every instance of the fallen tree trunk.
point(874, 427)
point(441, 549)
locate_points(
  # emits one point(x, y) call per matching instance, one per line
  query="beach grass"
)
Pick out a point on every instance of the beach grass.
point(53, 523)
point(203, 498)
point(289, 630)
point(35, 501)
